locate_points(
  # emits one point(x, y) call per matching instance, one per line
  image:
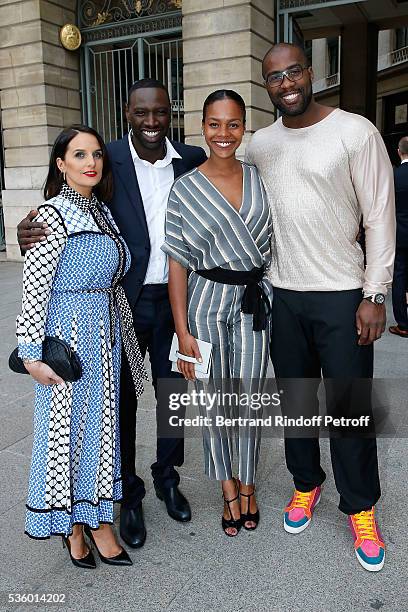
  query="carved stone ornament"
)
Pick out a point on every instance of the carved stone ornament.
point(70, 37)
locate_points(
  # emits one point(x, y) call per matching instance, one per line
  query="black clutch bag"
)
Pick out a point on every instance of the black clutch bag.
point(57, 354)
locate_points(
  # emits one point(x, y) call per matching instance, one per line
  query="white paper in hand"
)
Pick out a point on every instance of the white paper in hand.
point(202, 370)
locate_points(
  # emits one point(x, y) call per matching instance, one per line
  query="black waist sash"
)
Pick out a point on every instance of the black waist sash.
point(254, 301)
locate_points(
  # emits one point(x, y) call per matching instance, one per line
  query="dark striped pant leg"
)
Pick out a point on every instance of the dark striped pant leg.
point(208, 309)
point(249, 353)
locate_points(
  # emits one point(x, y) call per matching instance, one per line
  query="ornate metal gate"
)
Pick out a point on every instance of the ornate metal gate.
point(126, 40)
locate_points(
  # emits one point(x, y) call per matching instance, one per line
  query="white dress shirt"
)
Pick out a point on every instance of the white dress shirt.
point(155, 181)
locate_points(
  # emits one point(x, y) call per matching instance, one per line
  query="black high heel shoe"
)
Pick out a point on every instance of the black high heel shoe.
point(231, 522)
point(87, 562)
point(253, 517)
point(121, 559)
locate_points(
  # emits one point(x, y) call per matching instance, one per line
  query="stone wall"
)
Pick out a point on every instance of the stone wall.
point(224, 42)
point(39, 85)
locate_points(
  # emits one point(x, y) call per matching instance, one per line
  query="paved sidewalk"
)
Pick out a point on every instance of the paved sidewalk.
point(186, 567)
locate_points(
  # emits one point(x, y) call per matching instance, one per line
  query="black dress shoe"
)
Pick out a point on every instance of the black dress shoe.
point(177, 505)
point(132, 527)
point(121, 559)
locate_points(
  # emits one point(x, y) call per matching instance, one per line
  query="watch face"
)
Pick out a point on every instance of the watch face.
point(379, 298)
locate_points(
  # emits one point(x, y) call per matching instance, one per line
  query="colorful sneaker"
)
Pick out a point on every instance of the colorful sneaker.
point(368, 543)
point(298, 513)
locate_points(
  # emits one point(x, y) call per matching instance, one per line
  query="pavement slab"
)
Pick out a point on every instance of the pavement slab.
point(194, 566)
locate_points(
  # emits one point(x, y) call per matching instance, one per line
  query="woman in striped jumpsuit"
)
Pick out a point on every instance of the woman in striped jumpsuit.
point(218, 228)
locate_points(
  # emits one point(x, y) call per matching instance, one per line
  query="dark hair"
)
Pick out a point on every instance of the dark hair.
point(403, 145)
point(224, 94)
point(284, 45)
point(55, 179)
point(147, 84)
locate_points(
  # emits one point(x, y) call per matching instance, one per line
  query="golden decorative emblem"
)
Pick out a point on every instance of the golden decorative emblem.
point(102, 17)
point(70, 37)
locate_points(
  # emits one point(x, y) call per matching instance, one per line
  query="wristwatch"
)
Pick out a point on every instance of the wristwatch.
point(376, 298)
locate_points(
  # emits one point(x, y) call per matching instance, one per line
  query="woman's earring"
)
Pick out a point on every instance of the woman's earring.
point(63, 177)
point(202, 132)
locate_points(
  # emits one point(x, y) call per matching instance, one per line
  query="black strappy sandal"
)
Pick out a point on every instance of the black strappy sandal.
point(231, 522)
point(249, 516)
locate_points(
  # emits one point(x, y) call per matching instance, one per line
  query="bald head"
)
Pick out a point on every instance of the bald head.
point(403, 147)
point(281, 51)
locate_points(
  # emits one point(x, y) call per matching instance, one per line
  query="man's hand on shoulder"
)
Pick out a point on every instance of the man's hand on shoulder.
point(29, 232)
point(203, 156)
point(370, 322)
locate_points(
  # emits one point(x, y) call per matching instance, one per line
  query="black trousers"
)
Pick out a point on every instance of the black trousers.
point(313, 334)
point(399, 288)
point(154, 328)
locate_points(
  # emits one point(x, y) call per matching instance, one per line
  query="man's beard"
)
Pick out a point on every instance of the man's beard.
point(306, 98)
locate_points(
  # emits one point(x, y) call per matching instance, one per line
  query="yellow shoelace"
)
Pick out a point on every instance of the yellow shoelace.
point(365, 525)
point(302, 500)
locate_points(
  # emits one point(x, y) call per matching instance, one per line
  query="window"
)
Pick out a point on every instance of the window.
point(308, 51)
point(401, 38)
point(333, 55)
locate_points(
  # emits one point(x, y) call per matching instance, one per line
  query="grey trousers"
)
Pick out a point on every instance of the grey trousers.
point(239, 353)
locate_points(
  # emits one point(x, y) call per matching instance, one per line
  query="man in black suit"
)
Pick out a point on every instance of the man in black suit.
point(400, 280)
point(144, 164)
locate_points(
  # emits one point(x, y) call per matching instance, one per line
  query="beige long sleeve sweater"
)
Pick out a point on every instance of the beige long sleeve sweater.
point(320, 180)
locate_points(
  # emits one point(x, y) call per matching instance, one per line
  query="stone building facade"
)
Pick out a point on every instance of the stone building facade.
point(194, 47)
point(40, 82)
point(391, 113)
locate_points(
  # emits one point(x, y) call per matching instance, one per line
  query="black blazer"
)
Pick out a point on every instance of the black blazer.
point(401, 204)
point(127, 206)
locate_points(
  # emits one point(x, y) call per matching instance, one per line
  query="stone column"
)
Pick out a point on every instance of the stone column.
point(359, 58)
point(224, 42)
point(39, 83)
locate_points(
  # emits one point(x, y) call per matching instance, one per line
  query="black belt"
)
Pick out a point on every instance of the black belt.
point(254, 301)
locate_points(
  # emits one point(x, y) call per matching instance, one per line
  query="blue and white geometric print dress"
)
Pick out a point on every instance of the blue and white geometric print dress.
point(67, 292)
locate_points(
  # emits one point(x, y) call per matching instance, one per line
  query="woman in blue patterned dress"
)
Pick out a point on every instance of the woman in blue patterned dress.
point(72, 290)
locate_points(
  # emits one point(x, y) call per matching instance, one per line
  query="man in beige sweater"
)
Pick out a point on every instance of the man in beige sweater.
point(323, 170)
